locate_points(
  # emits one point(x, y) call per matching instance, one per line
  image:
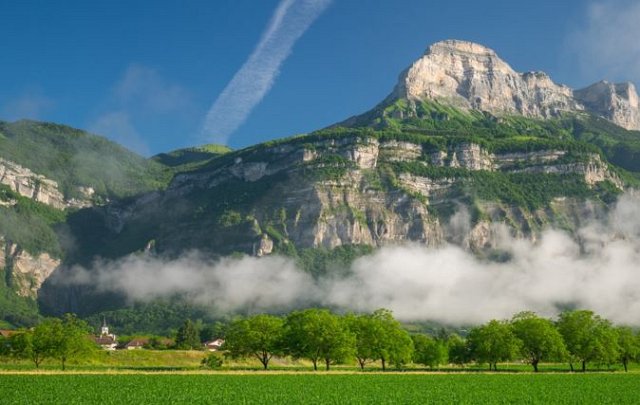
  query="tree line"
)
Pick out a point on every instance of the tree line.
point(56, 338)
point(576, 337)
point(325, 338)
point(70, 337)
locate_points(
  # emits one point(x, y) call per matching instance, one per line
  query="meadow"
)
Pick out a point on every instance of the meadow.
point(331, 388)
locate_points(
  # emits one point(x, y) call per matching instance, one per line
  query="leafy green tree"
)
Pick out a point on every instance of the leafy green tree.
point(429, 351)
point(70, 339)
point(458, 350)
point(213, 331)
point(628, 344)
point(21, 345)
point(61, 339)
point(35, 344)
point(188, 337)
point(588, 337)
point(259, 336)
point(493, 342)
point(364, 329)
point(401, 352)
point(380, 337)
point(540, 339)
point(318, 334)
point(392, 344)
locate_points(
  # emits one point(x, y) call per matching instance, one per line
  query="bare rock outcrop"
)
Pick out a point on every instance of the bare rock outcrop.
point(473, 77)
point(28, 184)
point(40, 188)
point(23, 271)
point(617, 102)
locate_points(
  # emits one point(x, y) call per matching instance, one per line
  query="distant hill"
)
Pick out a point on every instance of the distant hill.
point(75, 158)
point(190, 158)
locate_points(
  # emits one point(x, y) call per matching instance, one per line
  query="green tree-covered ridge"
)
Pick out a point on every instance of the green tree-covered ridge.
point(74, 158)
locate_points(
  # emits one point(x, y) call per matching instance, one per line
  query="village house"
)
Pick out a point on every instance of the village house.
point(213, 345)
point(137, 344)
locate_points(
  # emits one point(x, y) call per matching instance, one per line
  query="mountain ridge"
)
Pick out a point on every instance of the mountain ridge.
point(471, 76)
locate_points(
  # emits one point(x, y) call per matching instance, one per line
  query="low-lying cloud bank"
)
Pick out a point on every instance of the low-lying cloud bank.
point(599, 270)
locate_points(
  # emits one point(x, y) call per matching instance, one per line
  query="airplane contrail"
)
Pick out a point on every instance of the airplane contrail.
point(256, 77)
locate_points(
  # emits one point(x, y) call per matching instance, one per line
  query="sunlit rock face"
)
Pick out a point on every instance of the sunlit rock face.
point(617, 102)
point(472, 76)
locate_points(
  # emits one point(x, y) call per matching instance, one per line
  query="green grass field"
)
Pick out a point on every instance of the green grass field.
point(190, 360)
point(276, 388)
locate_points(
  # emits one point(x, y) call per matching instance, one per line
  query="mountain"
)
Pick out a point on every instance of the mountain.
point(462, 142)
point(472, 77)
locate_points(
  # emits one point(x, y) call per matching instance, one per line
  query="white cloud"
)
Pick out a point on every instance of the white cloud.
point(606, 43)
point(229, 285)
point(599, 271)
point(446, 284)
point(30, 104)
point(256, 77)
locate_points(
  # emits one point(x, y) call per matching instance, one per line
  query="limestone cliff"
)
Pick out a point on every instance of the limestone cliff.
point(39, 188)
point(352, 190)
point(24, 272)
point(472, 76)
point(615, 102)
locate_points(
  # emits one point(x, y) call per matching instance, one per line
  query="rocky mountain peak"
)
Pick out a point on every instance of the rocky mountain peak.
point(617, 102)
point(471, 76)
point(460, 47)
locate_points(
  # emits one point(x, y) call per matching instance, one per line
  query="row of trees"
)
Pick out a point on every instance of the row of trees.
point(323, 337)
point(55, 338)
point(577, 337)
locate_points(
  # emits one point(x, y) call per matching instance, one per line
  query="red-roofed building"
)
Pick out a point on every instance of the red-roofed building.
point(137, 344)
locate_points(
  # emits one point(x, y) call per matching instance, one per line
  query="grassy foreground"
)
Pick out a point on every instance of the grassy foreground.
point(321, 388)
point(190, 361)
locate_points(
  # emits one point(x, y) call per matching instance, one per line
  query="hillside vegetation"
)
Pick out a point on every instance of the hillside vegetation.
point(74, 158)
point(190, 158)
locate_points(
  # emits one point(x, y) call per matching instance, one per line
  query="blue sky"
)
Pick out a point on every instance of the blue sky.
point(146, 73)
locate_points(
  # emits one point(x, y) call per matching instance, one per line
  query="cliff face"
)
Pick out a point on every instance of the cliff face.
point(345, 191)
point(616, 102)
point(472, 76)
point(23, 272)
point(39, 188)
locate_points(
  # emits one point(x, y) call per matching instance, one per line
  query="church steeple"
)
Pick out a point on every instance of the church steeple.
point(105, 329)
